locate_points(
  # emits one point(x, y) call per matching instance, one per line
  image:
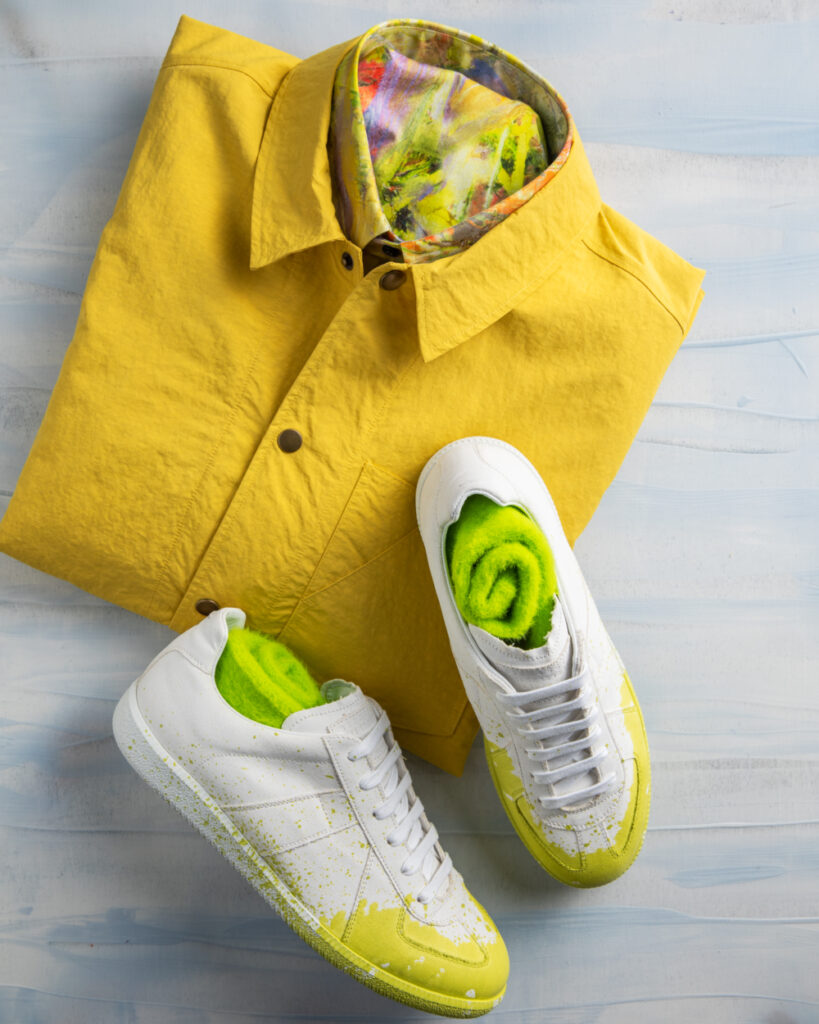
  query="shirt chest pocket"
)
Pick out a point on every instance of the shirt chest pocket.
point(379, 512)
point(370, 614)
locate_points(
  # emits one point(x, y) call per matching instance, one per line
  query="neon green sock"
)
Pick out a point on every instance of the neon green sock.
point(502, 571)
point(262, 679)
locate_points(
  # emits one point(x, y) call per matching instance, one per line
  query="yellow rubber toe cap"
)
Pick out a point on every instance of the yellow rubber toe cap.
point(460, 972)
point(577, 867)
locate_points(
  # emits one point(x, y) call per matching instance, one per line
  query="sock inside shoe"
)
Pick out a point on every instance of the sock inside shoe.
point(262, 679)
point(502, 571)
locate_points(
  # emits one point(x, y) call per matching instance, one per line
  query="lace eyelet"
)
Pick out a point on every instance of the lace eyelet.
point(351, 756)
point(404, 871)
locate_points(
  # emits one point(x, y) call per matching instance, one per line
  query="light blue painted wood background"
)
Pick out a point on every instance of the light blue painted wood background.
point(701, 119)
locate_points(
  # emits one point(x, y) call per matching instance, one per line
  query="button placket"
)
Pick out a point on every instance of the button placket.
point(375, 355)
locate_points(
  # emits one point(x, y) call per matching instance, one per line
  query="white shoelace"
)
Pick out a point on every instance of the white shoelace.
point(561, 734)
point(409, 829)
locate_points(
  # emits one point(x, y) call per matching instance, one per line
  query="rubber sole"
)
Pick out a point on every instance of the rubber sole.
point(157, 767)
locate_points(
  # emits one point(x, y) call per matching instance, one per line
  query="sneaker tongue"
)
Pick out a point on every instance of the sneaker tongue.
point(539, 666)
point(347, 712)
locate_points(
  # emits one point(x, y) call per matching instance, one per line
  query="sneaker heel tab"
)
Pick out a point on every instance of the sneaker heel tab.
point(234, 618)
point(203, 643)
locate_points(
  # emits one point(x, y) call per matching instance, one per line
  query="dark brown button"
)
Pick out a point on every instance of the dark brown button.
point(392, 279)
point(347, 261)
point(289, 440)
point(206, 605)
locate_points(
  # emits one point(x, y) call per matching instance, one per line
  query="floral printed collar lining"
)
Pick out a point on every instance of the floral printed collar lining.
point(436, 136)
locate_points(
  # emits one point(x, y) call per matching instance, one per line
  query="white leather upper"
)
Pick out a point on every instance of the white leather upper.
point(292, 790)
point(489, 466)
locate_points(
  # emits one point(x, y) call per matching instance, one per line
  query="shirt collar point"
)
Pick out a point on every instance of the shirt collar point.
point(435, 343)
point(258, 259)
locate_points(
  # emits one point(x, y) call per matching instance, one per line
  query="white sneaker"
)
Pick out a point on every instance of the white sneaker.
point(563, 733)
point(321, 818)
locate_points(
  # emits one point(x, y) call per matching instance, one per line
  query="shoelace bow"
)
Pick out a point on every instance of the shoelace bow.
point(408, 827)
point(561, 733)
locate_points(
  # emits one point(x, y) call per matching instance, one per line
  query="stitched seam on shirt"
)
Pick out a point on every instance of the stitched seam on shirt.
point(350, 497)
point(213, 64)
point(394, 475)
point(691, 311)
point(303, 600)
point(324, 550)
point(373, 422)
point(375, 419)
point(239, 494)
point(631, 273)
point(363, 565)
point(276, 102)
point(162, 576)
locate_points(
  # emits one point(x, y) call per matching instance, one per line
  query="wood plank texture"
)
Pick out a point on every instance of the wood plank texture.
point(701, 119)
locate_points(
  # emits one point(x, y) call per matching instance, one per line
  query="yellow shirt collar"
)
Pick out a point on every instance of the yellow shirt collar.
point(293, 209)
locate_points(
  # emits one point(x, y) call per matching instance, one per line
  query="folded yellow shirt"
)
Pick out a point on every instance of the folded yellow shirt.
point(243, 412)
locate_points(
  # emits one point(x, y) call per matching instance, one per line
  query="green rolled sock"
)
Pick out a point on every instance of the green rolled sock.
point(502, 571)
point(262, 679)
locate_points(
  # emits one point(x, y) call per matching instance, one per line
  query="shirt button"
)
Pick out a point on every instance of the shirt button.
point(347, 261)
point(392, 279)
point(206, 605)
point(289, 440)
